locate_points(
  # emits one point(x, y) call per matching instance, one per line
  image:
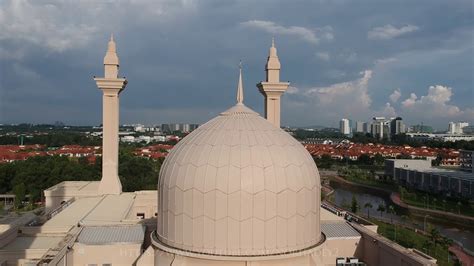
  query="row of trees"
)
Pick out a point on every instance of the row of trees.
point(55, 139)
point(355, 207)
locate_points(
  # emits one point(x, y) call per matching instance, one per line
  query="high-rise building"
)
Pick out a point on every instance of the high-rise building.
point(397, 126)
point(377, 128)
point(361, 127)
point(420, 129)
point(457, 127)
point(344, 126)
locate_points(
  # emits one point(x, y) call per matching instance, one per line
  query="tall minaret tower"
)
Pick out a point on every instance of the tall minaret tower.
point(111, 86)
point(272, 88)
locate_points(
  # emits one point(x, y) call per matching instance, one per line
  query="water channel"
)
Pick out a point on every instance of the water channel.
point(342, 197)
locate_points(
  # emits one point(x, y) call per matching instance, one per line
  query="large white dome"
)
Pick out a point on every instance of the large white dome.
point(239, 186)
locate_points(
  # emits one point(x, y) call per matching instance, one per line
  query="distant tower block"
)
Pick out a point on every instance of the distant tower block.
point(111, 87)
point(272, 88)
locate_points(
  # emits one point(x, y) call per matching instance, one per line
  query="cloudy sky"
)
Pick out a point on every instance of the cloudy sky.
point(353, 59)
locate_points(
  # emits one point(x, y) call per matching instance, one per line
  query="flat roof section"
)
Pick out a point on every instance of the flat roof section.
point(71, 215)
point(33, 242)
point(339, 230)
point(99, 235)
point(329, 216)
point(111, 210)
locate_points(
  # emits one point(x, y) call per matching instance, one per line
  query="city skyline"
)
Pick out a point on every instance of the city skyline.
point(400, 61)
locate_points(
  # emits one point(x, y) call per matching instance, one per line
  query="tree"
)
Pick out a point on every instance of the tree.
point(391, 210)
point(435, 236)
point(354, 204)
point(381, 209)
point(368, 206)
point(379, 159)
point(20, 193)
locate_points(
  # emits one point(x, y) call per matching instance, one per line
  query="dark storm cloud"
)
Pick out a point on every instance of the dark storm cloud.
point(181, 58)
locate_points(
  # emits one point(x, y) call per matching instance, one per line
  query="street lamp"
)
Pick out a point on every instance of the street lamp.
point(424, 223)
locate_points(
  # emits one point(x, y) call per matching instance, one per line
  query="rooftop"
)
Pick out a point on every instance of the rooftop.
point(99, 235)
point(33, 242)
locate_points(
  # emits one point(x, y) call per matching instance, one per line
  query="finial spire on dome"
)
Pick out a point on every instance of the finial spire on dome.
point(273, 41)
point(240, 88)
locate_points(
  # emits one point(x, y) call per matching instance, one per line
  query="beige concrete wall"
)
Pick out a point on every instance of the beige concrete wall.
point(333, 249)
point(116, 254)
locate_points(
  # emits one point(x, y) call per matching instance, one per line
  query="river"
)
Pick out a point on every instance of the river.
point(342, 197)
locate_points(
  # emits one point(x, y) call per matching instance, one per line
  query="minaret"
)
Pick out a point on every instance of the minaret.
point(111, 86)
point(272, 88)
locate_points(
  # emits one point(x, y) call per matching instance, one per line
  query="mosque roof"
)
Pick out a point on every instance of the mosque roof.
point(239, 186)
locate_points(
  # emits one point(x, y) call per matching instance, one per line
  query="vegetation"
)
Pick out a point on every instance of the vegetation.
point(368, 206)
point(436, 202)
point(364, 161)
point(354, 204)
point(366, 177)
point(381, 209)
point(432, 244)
point(55, 139)
point(32, 176)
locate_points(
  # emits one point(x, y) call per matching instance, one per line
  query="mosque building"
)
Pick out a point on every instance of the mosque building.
point(238, 190)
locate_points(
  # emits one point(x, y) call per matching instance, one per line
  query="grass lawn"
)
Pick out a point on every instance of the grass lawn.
point(410, 239)
point(425, 200)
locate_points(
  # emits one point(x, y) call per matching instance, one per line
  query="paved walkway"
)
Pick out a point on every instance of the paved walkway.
point(465, 258)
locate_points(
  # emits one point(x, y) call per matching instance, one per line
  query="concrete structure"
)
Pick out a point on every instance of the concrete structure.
point(344, 126)
point(420, 175)
point(440, 137)
point(272, 88)
point(379, 128)
point(466, 160)
point(456, 127)
point(397, 126)
point(237, 191)
point(111, 86)
point(361, 127)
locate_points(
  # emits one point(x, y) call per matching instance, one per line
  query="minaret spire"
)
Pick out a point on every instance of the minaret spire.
point(111, 60)
point(240, 87)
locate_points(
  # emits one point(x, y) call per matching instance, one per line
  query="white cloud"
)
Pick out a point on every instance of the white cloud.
point(59, 25)
point(309, 35)
point(410, 101)
point(435, 104)
point(389, 32)
point(323, 56)
point(349, 98)
point(396, 94)
point(292, 90)
point(42, 24)
point(388, 111)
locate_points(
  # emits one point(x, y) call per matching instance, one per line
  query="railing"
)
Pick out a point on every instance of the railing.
point(59, 209)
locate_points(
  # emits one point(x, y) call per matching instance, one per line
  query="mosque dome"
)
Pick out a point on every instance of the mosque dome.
point(239, 186)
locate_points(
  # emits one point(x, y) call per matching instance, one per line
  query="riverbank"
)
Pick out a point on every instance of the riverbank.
point(395, 198)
